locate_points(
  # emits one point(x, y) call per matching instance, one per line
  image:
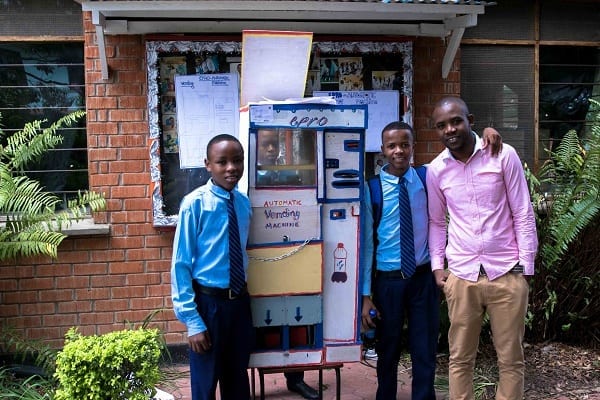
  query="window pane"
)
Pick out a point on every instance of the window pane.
point(497, 84)
point(569, 77)
point(286, 157)
point(46, 81)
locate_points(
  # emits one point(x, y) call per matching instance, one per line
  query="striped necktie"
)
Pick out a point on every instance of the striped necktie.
point(237, 276)
point(407, 241)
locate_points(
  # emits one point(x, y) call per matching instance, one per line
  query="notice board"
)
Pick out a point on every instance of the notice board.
point(383, 108)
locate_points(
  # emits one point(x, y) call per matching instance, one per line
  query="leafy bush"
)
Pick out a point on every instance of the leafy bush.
point(566, 196)
point(117, 365)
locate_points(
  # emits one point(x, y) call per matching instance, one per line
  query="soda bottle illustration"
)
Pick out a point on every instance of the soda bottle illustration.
point(339, 264)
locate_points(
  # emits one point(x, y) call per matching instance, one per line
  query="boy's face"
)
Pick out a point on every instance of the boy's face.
point(225, 162)
point(268, 147)
point(397, 146)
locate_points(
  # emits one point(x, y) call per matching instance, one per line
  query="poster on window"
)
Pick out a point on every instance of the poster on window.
point(207, 105)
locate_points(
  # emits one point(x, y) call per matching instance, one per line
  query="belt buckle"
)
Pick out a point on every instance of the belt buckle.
point(231, 295)
point(402, 275)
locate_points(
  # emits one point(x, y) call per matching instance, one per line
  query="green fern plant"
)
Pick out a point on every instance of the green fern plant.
point(566, 195)
point(31, 221)
point(571, 178)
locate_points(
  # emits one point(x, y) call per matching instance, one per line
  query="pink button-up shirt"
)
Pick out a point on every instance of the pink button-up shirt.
point(491, 220)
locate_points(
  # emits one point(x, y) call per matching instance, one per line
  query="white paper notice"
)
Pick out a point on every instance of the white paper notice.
point(274, 65)
point(383, 108)
point(207, 105)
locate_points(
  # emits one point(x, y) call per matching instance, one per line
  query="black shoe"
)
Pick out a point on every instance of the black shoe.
point(303, 390)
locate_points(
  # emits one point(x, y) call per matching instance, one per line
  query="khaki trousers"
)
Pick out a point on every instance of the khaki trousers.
point(505, 300)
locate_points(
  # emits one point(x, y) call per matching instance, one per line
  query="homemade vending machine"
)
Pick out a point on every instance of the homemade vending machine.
point(305, 184)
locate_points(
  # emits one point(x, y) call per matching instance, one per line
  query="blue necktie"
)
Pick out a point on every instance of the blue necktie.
point(407, 241)
point(237, 276)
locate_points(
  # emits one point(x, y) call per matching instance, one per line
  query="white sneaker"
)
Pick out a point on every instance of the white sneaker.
point(370, 354)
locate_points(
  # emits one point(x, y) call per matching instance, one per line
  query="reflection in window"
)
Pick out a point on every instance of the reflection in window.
point(285, 157)
point(568, 79)
point(46, 81)
point(510, 111)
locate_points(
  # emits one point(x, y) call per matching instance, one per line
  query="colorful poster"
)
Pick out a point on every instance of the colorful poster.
point(386, 80)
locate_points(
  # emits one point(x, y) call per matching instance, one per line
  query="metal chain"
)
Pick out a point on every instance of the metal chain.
point(285, 255)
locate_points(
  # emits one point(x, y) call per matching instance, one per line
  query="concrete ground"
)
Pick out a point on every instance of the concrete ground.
point(358, 382)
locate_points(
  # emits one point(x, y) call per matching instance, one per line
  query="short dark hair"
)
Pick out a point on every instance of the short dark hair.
point(224, 137)
point(397, 125)
point(453, 100)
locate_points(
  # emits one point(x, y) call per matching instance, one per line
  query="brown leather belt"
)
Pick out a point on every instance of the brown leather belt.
point(222, 293)
point(517, 269)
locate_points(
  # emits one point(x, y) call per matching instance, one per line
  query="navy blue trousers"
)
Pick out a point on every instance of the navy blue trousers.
point(416, 301)
point(229, 324)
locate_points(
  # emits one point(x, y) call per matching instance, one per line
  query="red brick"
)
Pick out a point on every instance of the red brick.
point(107, 280)
point(74, 307)
point(59, 320)
point(94, 318)
point(104, 180)
point(104, 128)
point(91, 269)
point(140, 229)
point(21, 297)
point(56, 296)
point(126, 64)
point(44, 333)
point(164, 240)
point(127, 242)
point(136, 128)
point(91, 293)
point(37, 309)
point(152, 303)
point(143, 279)
point(137, 102)
point(127, 166)
point(7, 285)
point(107, 256)
point(9, 310)
point(72, 282)
point(137, 204)
point(128, 292)
point(129, 89)
point(140, 153)
point(129, 317)
point(159, 290)
point(23, 322)
point(127, 267)
point(125, 115)
point(36, 284)
point(103, 154)
point(142, 254)
point(111, 305)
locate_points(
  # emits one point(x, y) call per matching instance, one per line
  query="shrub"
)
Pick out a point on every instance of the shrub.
point(117, 365)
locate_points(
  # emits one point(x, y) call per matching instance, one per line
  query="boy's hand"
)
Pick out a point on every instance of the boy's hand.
point(200, 342)
point(492, 138)
point(367, 306)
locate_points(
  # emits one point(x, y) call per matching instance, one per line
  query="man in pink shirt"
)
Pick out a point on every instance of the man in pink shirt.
point(489, 242)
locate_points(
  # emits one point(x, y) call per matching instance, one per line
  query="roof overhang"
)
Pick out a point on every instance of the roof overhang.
point(434, 18)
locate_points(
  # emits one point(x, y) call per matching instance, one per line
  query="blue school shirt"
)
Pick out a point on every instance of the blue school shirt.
point(201, 247)
point(387, 253)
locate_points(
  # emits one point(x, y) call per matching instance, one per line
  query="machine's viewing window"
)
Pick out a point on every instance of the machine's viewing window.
point(285, 157)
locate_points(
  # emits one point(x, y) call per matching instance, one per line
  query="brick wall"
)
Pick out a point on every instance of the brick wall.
point(99, 283)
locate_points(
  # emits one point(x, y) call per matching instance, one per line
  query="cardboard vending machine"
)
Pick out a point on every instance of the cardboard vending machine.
point(305, 184)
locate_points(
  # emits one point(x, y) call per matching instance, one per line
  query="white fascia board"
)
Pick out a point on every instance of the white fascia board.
point(179, 9)
point(121, 27)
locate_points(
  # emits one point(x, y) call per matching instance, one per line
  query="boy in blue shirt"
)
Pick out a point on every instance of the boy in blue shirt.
point(217, 315)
